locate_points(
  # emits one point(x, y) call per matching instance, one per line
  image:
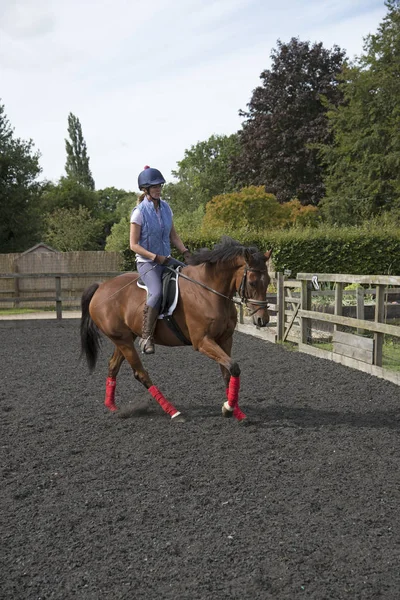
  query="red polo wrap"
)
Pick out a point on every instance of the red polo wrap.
point(162, 401)
point(109, 401)
point(238, 414)
point(232, 393)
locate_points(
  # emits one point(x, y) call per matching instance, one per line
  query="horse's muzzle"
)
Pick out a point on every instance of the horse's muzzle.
point(261, 318)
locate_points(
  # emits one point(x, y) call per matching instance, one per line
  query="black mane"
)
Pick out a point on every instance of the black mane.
point(226, 251)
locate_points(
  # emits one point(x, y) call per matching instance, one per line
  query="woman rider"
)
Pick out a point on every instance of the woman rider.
point(151, 233)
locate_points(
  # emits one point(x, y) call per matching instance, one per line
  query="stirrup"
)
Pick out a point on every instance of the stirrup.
point(147, 346)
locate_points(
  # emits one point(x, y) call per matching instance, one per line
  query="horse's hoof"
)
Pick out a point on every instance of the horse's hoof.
point(178, 419)
point(226, 412)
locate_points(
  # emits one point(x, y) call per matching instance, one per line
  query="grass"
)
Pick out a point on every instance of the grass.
point(18, 311)
point(390, 353)
point(26, 311)
point(391, 356)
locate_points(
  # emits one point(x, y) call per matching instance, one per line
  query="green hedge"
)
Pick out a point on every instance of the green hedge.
point(358, 251)
point(354, 251)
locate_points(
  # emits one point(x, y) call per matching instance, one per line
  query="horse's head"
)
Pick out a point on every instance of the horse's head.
point(254, 284)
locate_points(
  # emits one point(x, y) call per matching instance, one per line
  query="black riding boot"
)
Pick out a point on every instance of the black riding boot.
point(150, 316)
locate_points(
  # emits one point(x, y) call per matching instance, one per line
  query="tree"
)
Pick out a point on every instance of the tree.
point(204, 172)
point(19, 190)
point(71, 229)
point(77, 165)
point(285, 120)
point(111, 199)
point(118, 240)
point(112, 206)
point(251, 208)
point(363, 165)
point(67, 193)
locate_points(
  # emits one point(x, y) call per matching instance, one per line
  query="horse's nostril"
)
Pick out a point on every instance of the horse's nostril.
point(259, 322)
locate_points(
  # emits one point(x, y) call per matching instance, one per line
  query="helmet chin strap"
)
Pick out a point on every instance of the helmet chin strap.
point(157, 200)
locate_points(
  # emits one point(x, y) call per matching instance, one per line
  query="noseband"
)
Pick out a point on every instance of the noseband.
point(242, 290)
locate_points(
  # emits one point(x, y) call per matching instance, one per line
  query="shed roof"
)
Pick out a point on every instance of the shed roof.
point(41, 247)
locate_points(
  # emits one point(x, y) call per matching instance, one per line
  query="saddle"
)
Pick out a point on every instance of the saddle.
point(170, 295)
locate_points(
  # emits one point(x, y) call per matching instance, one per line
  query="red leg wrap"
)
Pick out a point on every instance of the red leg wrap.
point(232, 393)
point(162, 401)
point(109, 401)
point(238, 413)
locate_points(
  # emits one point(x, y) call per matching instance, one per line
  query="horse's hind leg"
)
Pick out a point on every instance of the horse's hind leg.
point(129, 352)
point(114, 365)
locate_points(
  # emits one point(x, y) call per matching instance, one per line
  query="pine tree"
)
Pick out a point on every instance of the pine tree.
point(77, 165)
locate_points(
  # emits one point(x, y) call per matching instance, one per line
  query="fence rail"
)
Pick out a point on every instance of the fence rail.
point(19, 299)
point(295, 320)
point(298, 321)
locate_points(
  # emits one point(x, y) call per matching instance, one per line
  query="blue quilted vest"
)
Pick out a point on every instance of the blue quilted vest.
point(154, 237)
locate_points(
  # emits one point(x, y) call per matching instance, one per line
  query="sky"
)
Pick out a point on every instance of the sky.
point(148, 79)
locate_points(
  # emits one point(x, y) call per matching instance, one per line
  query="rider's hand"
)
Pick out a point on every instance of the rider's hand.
point(187, 255)
point(160, 260)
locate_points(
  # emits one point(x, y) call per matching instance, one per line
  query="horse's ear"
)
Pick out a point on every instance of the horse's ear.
point(268, 255)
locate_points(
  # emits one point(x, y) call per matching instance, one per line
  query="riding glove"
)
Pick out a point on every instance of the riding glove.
point(160, 260)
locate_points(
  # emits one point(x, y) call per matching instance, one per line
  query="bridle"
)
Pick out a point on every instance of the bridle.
point(242, 290)
point(243, 301)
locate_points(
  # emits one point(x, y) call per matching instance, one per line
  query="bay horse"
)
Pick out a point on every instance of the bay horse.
point(205, 314)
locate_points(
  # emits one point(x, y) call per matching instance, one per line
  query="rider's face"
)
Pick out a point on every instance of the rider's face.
point(155, 191)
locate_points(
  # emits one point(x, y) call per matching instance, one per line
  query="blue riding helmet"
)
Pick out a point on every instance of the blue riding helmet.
point(149, 177)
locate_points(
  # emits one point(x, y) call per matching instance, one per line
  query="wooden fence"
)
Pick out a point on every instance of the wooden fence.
point(294, 318)
point(40, 265)
point(61, 295)
point(297, 320)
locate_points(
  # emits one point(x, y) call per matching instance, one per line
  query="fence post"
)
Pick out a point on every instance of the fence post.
point(305, 323)
point(241, 317)
point(338, 301)
point(58, 298)
point(16, 286)
point(379, 315)
point(360, 307)
point(280, 301)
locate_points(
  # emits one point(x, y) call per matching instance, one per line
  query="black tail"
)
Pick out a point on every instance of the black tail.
point(90, 335)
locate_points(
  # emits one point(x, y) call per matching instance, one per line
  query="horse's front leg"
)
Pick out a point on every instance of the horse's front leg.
point(230, 370)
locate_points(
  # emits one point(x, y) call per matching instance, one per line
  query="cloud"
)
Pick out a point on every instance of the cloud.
point(148, 79)
point(24, 19)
